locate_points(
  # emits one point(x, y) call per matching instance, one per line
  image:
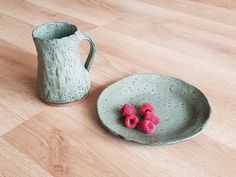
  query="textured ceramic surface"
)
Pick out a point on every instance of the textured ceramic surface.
point(62, 78)
point(182, 108)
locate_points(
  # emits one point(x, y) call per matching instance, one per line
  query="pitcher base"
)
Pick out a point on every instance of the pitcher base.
point(65, 104)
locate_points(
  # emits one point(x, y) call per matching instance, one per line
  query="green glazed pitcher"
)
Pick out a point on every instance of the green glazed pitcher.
point(62, 77)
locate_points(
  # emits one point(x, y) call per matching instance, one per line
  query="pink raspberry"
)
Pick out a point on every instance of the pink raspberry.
point(152, 117)
point(146, 107)
point(131, 121)
point(146, 126)
point(139, 126)
point(127, 110)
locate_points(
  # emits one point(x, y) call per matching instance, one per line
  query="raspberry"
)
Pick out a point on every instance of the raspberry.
point(146, 107)
point(127, 110)
point(139, 126)
point(152, 117)
point(131, 121)
point(146, 126)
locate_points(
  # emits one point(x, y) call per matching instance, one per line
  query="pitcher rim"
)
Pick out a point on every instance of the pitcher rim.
point(55, 22)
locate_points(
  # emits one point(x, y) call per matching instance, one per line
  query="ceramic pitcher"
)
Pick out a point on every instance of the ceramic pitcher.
point(62, 77)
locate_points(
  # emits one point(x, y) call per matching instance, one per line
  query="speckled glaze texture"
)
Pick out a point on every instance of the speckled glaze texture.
point(62, 78)
point(182, 108)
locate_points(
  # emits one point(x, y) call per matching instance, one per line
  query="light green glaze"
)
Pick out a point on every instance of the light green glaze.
point(62, 78)
point(182, 108)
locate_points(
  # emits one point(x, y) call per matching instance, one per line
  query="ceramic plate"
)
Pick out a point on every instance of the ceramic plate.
point(182, 108)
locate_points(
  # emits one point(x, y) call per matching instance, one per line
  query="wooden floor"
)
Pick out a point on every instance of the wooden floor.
point(194, 40)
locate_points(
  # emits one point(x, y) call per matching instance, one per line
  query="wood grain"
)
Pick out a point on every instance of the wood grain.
point(35, 15)
point(192, 40)
point(13, 163)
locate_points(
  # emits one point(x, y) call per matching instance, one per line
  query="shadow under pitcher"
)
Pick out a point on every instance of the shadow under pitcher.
point(62, 78)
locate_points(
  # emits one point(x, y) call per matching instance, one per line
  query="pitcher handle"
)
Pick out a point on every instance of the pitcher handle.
point(92, 51)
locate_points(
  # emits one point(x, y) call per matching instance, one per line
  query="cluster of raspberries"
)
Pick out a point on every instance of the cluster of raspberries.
point(149, 119)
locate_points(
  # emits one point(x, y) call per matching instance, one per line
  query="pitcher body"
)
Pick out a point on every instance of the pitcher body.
point(61, 78)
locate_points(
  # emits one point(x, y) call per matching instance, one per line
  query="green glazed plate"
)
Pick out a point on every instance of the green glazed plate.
point(182, 108)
